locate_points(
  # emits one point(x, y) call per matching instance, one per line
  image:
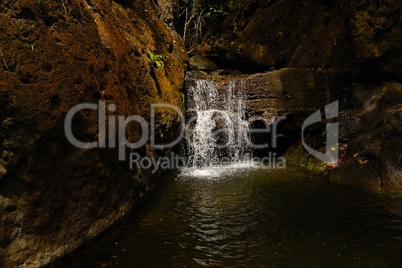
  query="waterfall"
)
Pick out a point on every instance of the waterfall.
point(219, 133)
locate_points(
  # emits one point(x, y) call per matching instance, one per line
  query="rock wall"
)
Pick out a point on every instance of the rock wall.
point(55, 55)
point(372, 133)
point(362, 38)
point(370, 136)
point(288, 91)
point(302, 34)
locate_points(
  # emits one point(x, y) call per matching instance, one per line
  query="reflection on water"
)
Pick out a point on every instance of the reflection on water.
point(254, 218)
point(214, 172)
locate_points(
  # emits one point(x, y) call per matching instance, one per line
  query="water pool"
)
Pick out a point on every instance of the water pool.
point(252, 218)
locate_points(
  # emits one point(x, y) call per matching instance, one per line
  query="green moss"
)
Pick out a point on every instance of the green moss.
point(297, 156)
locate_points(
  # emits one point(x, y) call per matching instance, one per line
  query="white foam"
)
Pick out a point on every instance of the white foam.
point(218, 113)
point(214, 172)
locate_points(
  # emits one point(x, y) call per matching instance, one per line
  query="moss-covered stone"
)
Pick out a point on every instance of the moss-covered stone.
point(55, 55)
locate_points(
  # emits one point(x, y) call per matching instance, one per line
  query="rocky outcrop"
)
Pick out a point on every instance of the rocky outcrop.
point(303, 34)
point(362, 38)
point(370, 136)
point(55, 55)
point(291, 92)
point(372, 131)
point(198, 62)
point(283, 92)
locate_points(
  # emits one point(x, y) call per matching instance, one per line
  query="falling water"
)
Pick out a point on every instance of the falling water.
point(219, 135)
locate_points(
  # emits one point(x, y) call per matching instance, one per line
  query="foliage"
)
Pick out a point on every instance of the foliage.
point(193, 13)
point(156, 59)
point(288, 95)
point(196, 14)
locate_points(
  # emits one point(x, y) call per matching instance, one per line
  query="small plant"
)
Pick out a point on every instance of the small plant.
point(156, 59)
point(288, 95)
point(31, 46)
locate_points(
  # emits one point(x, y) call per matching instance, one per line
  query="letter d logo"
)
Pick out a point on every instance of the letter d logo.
point(332, 151)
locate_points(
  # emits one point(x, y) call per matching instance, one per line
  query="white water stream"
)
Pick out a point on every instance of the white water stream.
point(219, 140)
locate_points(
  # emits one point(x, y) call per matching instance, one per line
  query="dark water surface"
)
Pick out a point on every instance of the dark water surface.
point(254, 218)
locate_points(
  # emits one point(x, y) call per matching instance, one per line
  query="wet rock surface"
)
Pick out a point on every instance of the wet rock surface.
point(55, 55)
point(370, 122)
point(283, 92)
point(291, 92)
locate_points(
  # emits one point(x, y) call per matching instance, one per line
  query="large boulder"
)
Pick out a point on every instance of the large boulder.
point(200, 63)
point(370, 142)
point(373, 134)
point(55, 55)
point(285, 33)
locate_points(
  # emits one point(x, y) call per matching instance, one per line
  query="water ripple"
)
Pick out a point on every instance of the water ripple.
point(262, 218)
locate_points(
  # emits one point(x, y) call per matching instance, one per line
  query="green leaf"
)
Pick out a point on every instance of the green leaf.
point(151, 55)
point(157, 57)
point(159, 64)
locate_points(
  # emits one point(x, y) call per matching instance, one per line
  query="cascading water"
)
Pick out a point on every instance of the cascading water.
point(219, 135)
